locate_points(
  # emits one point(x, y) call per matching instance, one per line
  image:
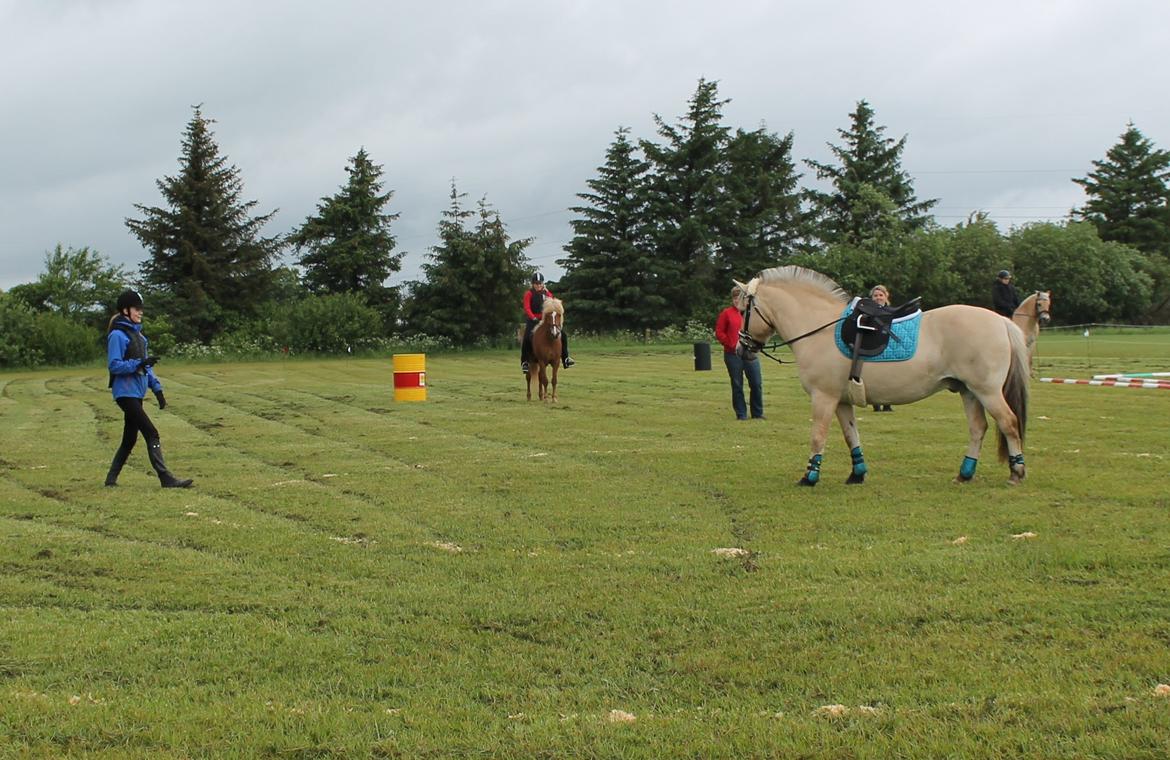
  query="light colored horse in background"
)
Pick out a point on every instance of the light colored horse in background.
point(1033, 313)
point(965, 349)
point(546, 349)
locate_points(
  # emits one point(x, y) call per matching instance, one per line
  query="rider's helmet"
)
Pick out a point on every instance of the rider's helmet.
point(1004, 273)
point(129, 298)
point(537, 277)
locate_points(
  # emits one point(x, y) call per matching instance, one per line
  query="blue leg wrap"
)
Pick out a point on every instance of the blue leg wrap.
point(1017, 459)
point(859, 467)
point(813, 474)
point(967, 470)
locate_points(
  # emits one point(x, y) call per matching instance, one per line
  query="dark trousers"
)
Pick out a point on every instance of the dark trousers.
point(135, 422)
point(737, 368)
point(526, 344)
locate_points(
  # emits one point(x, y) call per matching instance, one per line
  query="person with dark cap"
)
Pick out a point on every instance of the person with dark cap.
point(131, 373)
point(1004, 297)
point(533, 303)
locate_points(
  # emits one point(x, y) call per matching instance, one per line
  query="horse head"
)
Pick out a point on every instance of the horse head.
point(748, 346)
point(552, 317)
point(1043, 306)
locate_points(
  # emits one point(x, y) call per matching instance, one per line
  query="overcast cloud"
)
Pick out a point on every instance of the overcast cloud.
point(1002, 102)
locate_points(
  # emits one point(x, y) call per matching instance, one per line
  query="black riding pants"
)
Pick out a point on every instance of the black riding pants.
point(135, 422)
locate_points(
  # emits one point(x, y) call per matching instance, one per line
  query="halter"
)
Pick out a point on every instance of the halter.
point(749, 346)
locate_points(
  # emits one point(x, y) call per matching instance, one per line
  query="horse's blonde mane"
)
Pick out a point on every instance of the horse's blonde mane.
point(553, 304)
point(801, 276)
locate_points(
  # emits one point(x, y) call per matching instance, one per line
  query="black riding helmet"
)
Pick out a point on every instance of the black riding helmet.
point(537, 277)
point(128, 299)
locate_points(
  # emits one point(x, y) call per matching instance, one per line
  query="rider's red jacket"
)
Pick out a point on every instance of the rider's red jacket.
point(528, 302)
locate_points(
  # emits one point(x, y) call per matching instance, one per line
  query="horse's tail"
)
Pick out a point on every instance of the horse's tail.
point(1015, 386)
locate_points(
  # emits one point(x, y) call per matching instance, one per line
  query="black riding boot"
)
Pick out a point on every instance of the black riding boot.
point(165, 476)
point(120, 457)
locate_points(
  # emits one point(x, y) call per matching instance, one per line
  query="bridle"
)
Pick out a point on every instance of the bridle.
point(1042, 315)
point(748, 346)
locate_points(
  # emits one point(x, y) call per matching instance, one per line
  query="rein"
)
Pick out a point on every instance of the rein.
point(756, 347)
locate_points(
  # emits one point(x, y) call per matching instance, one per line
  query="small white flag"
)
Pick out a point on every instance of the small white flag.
point(1086, 332)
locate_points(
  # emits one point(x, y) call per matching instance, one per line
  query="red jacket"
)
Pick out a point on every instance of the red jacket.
point(528, 302)
point(727, 328)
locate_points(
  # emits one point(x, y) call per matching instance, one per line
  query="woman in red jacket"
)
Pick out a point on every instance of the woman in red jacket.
point(727, 328)
point(533, 303)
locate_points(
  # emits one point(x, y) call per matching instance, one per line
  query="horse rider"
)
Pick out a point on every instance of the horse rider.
point(1004, 297)
point(533, 304)
point(880, 295)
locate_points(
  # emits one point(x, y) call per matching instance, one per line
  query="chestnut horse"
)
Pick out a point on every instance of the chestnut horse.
point(546, 349)
point(971, 351)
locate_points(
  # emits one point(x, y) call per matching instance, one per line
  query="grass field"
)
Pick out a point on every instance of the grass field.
point(479, 576)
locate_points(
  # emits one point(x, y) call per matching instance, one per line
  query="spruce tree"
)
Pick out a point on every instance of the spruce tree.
point(685, 198)
point(869, 163)
point(474, 279)
point(760, 221)
point(611, 269)
point(209, 265)
point(347, 245)
point(1128, 197)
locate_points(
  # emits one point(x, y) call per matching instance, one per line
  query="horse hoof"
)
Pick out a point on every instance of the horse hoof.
point(961, 479)
point(854, 479)
point(806, 482)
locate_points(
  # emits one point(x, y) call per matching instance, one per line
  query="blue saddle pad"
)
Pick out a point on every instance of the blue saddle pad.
point(903, 338)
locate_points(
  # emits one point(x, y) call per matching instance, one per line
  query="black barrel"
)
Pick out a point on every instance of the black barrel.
point(702, 356)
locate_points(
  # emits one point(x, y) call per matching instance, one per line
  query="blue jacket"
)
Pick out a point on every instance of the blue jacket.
point(130, 378)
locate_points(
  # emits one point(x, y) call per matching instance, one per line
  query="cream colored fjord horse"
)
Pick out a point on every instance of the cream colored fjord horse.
point(1033, 312)
point(966, 349)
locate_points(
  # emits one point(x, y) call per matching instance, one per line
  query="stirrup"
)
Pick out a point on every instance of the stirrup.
point(568, 362)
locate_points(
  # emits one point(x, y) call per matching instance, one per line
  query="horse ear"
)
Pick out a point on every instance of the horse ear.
point(748, 289)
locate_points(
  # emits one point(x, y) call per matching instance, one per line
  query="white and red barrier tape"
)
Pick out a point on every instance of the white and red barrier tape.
point(1116, 383)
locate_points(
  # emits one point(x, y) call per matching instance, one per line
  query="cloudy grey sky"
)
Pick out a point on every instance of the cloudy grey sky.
point(1003, 102)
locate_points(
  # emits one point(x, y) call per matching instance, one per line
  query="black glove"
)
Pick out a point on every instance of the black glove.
point(150, 361)
point(162, 400)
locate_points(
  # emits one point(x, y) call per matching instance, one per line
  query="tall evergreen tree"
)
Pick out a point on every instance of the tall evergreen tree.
point(760, 222)
point(474, 278)
point(347, 245)
point(611, 269)
point(869, 162)
point(685, 198)
point(209, 263)
point(1128, 197)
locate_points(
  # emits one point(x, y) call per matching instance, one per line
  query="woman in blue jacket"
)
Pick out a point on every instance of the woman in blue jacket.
point(131, 374)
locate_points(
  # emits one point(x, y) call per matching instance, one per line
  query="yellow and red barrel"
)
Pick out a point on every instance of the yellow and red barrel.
point(410, 377)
